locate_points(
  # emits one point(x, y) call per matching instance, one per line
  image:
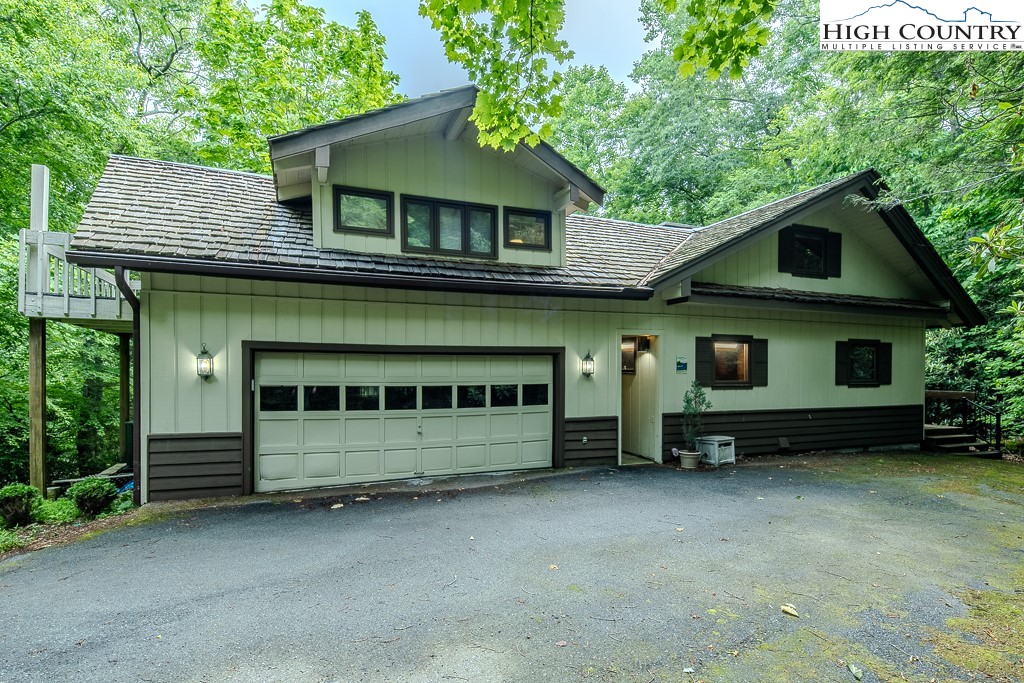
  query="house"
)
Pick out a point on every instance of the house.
point(398, 302)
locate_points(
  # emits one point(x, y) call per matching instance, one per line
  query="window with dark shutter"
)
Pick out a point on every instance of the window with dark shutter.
point(732, 362)
point(863, 363)
point(806, 251)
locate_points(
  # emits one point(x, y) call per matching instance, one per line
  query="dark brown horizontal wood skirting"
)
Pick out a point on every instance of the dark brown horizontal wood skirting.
point(185, 466)
point(602, 446)
point(759, 431)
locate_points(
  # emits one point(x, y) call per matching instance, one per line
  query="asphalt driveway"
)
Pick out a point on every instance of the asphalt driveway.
point(641, 574)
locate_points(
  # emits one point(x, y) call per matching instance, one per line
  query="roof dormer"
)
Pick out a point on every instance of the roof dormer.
point(411, 179)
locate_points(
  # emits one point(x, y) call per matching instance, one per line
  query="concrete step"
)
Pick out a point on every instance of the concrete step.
point(959, 437)
point(966, 447)
point(941, 428)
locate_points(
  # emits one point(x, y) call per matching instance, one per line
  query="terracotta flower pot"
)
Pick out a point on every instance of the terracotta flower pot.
point(689, 460)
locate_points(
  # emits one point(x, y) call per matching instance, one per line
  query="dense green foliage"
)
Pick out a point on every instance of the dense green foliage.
point(511, 49)
point(60, 511)
point(17, 502)
point(198, 81)
point(92, 495)
point(944, 130)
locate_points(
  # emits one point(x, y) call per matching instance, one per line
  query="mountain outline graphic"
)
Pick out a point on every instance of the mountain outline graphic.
point(904, 3)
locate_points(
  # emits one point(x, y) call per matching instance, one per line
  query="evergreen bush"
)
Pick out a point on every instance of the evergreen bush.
point(93, 495)
point(17, 502)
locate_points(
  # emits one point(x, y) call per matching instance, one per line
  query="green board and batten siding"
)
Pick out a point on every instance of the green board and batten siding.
point(180, 313)
point(880, 268)
point(431, 166)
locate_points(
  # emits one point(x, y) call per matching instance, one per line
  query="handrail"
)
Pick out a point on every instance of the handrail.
point(961, 409)
point(51, 286)
point(990, 427)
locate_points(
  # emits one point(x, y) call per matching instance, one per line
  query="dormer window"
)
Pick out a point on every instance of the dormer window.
point(435, 226)
point(364, 211)
point(525, 229)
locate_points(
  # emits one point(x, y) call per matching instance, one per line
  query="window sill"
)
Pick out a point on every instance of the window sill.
point(528, 247)
point(362, 231)
point(730, 385)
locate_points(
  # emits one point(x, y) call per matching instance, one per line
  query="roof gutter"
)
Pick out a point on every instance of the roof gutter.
point(160, 264)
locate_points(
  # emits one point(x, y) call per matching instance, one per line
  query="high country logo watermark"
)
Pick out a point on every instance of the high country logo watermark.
point(926, 25)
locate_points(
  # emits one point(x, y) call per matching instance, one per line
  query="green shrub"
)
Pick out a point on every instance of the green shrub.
point(9, 541)
point(60, 511)
point(16, 504)
point(93, 495)
point(122, 504)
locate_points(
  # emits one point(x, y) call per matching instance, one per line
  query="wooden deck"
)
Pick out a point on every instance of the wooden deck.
point(49, 287)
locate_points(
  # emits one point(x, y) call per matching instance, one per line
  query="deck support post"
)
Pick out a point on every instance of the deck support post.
point(37, 403)
point(124, 393)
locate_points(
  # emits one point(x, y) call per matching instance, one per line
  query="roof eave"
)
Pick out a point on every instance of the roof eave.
point(933, 314)
point(927, 258)
point(302, 141)
point(235, 270)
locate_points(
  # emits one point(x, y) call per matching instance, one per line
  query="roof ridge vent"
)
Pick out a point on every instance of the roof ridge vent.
point(683, 226)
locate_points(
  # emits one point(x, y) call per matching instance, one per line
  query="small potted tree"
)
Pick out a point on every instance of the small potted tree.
point(695, 403)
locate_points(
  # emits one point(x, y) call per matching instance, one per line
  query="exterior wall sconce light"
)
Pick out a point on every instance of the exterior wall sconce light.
point(204, 364)
point(587, 365)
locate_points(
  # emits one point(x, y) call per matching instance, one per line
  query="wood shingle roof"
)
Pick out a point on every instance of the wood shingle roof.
point(169, 217)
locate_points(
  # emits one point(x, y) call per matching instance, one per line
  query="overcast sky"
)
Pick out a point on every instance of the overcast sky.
point(601, 32)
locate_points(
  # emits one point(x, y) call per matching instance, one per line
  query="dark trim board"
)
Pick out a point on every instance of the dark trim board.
point(251, 348)
point(199, 465)
point(602, 446)
point(323, 276)
point(760, 431)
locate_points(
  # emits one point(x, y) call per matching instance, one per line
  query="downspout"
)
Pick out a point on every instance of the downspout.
point(133, 301)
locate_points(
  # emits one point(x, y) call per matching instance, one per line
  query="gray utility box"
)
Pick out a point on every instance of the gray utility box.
point(716, 450)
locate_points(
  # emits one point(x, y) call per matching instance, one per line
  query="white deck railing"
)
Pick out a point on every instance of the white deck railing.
point(50, 287)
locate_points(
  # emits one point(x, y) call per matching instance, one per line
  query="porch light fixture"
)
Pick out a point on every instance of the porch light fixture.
point(204, 364)
point(587, 364)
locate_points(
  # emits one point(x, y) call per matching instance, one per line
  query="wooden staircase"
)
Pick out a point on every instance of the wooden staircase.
point(952, 440)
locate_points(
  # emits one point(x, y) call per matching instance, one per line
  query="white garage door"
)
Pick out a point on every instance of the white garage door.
point(326, 419)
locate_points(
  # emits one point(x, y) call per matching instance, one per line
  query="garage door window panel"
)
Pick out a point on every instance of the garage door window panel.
point(504, 395)
point(362, 398)
point(472, 396)
point(279, 399)
point(437, 398)
point(400, 398)
point(321, 398)
point(535, 394)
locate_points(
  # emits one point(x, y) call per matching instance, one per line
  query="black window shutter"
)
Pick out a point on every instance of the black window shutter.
point(759, 362)
point(834, 255)
point(705, 364)
point(786, 247)
point(842, 363)
point(885, 363)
